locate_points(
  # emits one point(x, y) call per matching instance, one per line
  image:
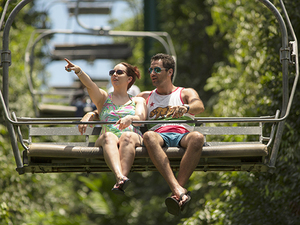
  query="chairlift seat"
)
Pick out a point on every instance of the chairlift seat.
point(72, 151)
point(99, 8)
point(92, 51)
point(82, 156)
point(56, 103)
point(46, 110)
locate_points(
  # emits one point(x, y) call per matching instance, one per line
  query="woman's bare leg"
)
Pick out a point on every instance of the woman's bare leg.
point(109, 143)
point(127, 144)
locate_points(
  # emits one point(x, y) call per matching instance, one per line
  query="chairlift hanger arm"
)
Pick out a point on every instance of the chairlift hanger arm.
point(5, 65)
point(285, 59)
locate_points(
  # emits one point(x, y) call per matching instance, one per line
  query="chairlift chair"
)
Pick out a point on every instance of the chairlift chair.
point(73, 154)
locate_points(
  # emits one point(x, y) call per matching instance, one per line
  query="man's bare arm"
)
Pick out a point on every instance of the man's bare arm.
point(192, 99)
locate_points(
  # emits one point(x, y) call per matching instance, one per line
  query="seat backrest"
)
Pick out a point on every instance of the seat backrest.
point(214, 135)
point(68, 135)
point(220, 135)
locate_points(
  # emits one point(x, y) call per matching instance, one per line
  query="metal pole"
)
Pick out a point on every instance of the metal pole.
point(149, 25)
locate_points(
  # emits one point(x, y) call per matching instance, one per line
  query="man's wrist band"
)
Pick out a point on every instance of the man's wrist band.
point(187, 107)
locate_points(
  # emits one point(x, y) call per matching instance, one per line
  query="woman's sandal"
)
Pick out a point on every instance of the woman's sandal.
point(173, 206)
point(120, 186)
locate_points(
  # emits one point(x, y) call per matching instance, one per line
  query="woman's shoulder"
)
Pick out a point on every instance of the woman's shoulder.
point(103, 94)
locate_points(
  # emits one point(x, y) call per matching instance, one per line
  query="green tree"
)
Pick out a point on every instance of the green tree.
point(249, 84)
point(197, 52)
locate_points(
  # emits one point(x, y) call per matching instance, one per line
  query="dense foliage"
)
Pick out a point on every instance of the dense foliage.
point(249, 84)
point(196, 50)
point(228, 51)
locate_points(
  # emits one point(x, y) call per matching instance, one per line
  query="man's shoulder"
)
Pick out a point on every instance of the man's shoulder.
point(188, 91)
point(144, 94)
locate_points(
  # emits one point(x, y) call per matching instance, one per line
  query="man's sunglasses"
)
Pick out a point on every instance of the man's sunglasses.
point(118, 72)
point(156, 70)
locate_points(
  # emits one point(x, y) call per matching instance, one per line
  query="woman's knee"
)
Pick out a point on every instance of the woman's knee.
point(106, 138)
point(127, 138)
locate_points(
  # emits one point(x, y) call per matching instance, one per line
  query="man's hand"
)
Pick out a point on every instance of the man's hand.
point(177, 111)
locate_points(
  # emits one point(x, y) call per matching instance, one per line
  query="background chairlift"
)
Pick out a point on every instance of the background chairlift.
point(55, 102)
point(66, 156)
point(99, 51)
point(60, 100)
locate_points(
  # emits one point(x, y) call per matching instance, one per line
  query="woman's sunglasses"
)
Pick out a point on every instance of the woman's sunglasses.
point(118, 72)
point(156, 70)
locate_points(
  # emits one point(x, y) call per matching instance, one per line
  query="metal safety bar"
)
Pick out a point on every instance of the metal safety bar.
point(75, 120)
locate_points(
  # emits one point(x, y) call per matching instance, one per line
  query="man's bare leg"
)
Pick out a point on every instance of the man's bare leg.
point(193, 143)
point(153, 143)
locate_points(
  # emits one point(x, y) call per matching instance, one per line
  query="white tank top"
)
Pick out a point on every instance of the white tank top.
point(159, 106)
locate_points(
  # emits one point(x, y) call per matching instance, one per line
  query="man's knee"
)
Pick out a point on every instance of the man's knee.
point(196, 138)
point(149, 137)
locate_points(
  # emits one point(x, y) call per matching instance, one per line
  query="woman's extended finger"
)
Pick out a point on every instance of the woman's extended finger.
point(70, 65)
point(68, 61)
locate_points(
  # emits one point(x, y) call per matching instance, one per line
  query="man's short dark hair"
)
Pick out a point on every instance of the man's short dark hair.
point(168, 61)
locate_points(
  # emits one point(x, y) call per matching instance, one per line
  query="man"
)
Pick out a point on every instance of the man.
point(168, 102)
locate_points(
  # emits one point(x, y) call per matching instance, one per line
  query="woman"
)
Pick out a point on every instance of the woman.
point(120, 139)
